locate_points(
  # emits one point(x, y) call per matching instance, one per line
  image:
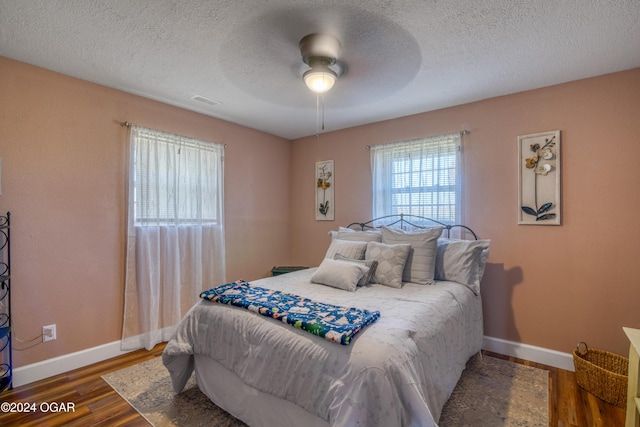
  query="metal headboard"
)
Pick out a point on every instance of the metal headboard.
point(403, 220)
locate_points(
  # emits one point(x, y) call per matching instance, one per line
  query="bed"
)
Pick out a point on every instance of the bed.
point(398, 371)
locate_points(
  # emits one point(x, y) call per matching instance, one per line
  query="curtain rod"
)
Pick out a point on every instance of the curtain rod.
point(462, 133)
point(129, 124)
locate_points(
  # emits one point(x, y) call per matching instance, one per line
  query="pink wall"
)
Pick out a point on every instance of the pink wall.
point(548, 286)
point(63, 181)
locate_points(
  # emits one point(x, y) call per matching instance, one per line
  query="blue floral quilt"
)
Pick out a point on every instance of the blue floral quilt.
point(331, 322)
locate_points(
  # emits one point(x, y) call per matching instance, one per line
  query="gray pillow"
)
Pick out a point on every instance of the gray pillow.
point(346, 248)
point(360, 236)
point(339, 274)
point(356, 235)
point(372, 264)
point(462, 261)
point(421, 263)
point(391, 261)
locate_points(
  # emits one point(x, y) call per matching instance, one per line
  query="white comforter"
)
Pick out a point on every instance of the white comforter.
point(399, 371)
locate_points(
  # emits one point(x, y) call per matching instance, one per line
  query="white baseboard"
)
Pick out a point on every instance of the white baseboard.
point(68, 362)
point(532, 353)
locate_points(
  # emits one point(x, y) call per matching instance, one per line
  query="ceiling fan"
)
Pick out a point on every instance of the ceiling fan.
point(320, 52)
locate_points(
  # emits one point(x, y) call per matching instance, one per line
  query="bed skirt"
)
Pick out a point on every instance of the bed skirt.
point(253, 407)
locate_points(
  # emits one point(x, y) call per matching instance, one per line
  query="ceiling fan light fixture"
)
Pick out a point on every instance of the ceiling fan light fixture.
point(319, 52)
point(320, 79)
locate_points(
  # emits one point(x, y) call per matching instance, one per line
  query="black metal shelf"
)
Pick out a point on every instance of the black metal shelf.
point(6, 377)
point(5, 382)
point(6, 362)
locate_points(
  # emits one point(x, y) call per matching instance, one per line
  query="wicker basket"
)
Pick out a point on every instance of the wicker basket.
point(602, 374)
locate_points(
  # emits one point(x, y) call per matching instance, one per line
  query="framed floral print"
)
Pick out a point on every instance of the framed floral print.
point(325, 181)
point(539, 178)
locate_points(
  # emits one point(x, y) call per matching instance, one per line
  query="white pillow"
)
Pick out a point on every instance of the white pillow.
point(462, 261)
point(391, 261)
point(360, 236)
point(339, 274)
point(334, 234)
point(482, 264)
point(344, 233)
point(371, 263)
point(347, 249)
point(421, 263)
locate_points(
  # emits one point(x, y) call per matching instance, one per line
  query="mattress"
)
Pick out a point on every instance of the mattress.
point(399, 371)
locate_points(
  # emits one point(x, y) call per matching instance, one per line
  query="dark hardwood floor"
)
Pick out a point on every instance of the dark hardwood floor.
point(96, 403)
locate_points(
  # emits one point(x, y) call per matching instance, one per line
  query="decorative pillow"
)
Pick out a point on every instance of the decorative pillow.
point(339, 274)
point(360, 236)
point(462, 261)
point(421, 263)
point(371, 263)
point(344, 233)
point(391, 261)
point(347, 249)
point(334, 234)
point(482, 264)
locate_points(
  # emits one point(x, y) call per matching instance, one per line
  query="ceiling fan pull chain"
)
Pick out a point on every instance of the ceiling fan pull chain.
point(317, 117)
point(322, 111)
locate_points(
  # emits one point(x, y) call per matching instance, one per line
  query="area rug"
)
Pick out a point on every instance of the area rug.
point(491, 393)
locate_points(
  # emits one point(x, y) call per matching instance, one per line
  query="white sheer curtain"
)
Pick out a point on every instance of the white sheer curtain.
point(175, 232)
point(419, 177)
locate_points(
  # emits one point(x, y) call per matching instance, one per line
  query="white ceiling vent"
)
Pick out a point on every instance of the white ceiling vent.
point(205, 100)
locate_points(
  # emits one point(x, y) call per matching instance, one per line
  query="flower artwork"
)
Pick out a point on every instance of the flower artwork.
point(539, 168)
point(324, 191)
point(323, 183)
point(539, 179)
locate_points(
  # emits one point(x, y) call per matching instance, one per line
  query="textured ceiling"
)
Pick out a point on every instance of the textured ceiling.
point(402, 57)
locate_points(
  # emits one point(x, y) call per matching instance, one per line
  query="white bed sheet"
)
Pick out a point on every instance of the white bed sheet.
point(398, 371)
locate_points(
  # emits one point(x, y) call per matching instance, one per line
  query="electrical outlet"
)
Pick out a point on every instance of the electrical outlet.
point(48, 333)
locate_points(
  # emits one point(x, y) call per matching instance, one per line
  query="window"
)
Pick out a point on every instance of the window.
point(177, 180)
point(418, 177)
point(175, 232)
